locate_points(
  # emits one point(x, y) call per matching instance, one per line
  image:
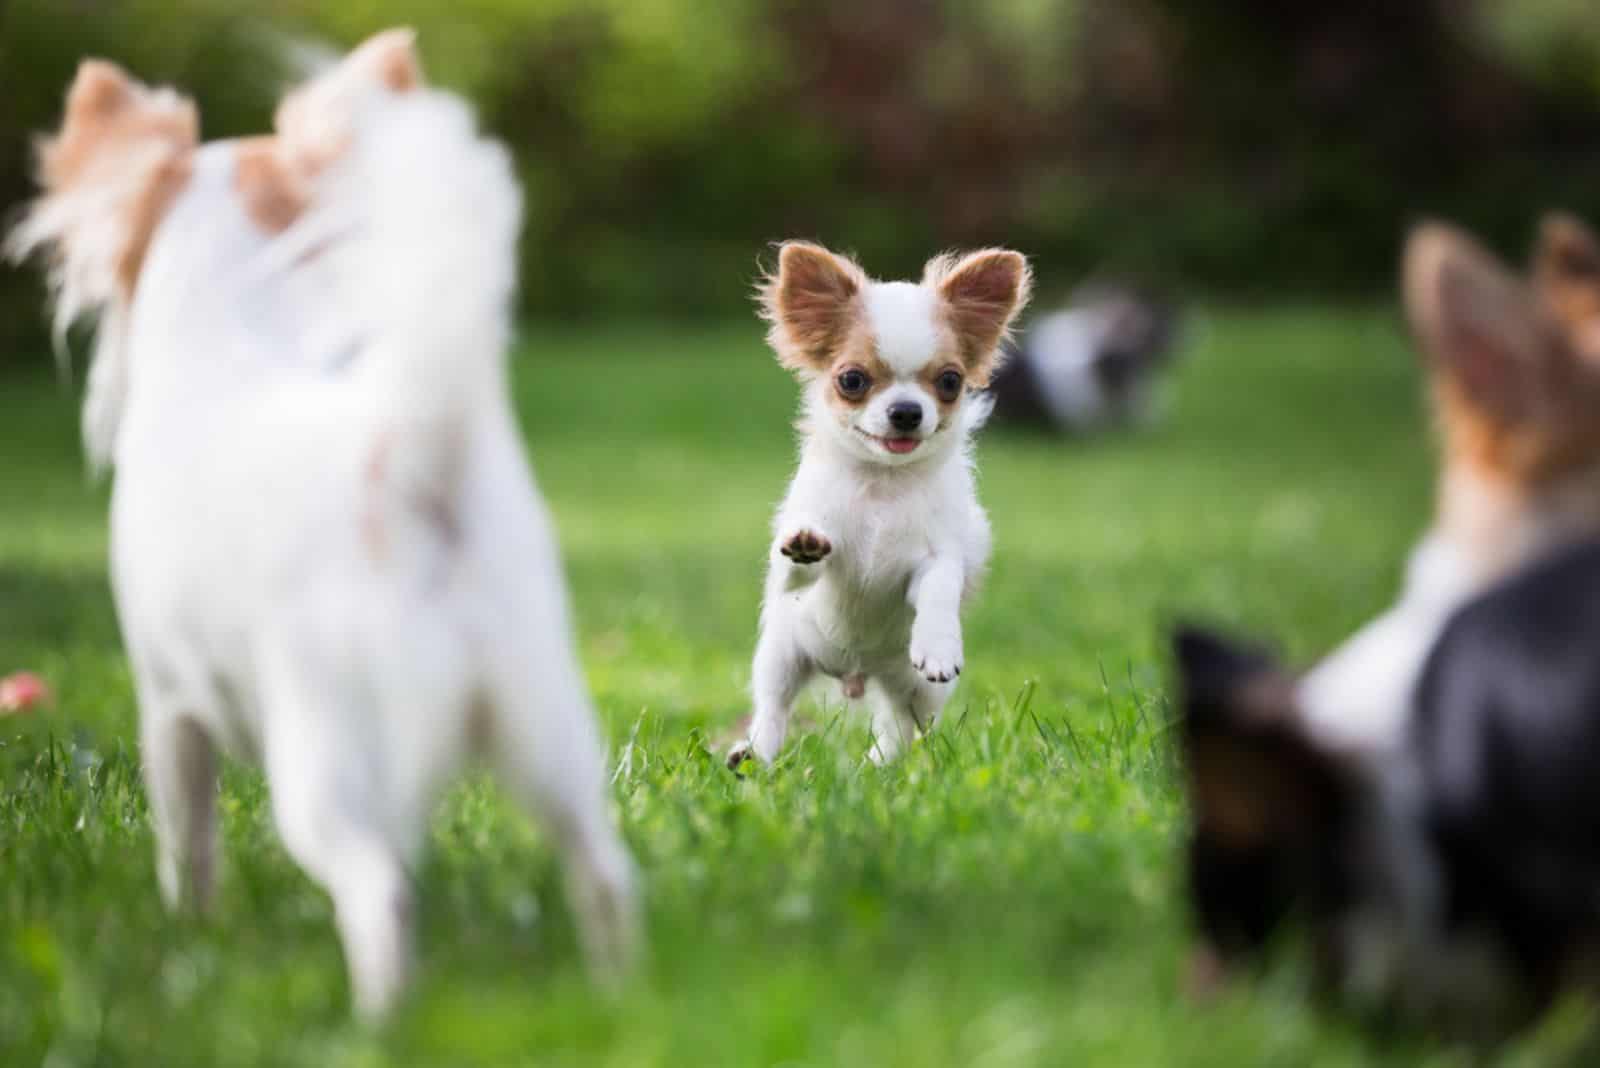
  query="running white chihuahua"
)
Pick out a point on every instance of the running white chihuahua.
point(881, 537)
point(327, 550)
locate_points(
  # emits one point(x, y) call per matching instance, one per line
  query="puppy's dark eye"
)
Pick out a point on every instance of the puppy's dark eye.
point(948, 384)
point(852, 382)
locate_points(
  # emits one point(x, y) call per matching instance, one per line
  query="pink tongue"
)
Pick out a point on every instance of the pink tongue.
point(900, 444)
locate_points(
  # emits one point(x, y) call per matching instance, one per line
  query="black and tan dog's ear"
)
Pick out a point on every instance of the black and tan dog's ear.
point(1482, 330)
point(812, 301)
point(1566, 251)
point(981, 295)
point(1566, 279)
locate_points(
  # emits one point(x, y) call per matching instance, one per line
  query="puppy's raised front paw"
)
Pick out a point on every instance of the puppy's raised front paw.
point(805, 546)
point(939, 659)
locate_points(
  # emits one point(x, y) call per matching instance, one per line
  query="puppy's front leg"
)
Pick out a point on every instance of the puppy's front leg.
point(935, 596)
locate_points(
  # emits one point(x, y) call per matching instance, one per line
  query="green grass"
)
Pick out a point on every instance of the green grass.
point(1007, 895)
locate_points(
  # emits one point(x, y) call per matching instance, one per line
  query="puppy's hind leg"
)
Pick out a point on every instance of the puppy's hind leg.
point(892, 728)
point(902, 706)
point(180, 774)
point(543, 742)
point(780, 670)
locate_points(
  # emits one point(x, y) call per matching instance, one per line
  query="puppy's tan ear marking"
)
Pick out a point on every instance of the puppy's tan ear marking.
point(812, 302)
point(99, 89)
point(1480, 327)
point(981, 295)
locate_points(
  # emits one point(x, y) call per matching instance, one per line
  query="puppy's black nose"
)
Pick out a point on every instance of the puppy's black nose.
point(905, 415)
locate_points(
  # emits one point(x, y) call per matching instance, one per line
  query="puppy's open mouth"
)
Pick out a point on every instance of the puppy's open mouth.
point(899, 445)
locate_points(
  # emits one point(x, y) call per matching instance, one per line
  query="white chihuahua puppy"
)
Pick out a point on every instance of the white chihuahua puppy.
point(327, 549)
point(881, 537)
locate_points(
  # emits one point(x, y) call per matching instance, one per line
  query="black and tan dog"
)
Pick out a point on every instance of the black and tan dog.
point(1424, 800)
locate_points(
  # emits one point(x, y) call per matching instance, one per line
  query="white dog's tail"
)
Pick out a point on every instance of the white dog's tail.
point(418, 219)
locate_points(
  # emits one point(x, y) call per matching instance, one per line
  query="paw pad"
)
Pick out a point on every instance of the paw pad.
point(937, 671)
point(806, 547)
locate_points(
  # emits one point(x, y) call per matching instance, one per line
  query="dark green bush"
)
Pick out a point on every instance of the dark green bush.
point(1250, 147)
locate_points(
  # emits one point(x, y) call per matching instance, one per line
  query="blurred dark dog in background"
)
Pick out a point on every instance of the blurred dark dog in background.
point(1455, 878)
point(1424, 799)
point(1092, 365)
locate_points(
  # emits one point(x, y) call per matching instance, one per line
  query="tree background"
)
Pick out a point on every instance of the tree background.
point(1252, 149)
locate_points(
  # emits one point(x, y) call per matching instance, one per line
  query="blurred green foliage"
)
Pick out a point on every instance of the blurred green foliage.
point(1253, 146)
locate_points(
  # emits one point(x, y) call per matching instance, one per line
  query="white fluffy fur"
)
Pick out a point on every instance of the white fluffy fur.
point(881, 611)
point(327, 549)
point(1359, 696)
point(903, 318)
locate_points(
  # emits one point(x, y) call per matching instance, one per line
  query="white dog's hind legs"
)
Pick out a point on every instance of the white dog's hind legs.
point(345, 851)
point(331, 808)
point(545, 747)
point(180, 774)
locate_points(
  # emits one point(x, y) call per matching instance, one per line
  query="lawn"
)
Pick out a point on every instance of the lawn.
point(1006, 895)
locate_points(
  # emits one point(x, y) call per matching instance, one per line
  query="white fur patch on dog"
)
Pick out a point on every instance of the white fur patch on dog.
point(902, 320)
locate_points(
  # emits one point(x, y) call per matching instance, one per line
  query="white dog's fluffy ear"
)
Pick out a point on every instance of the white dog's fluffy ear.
point(981, 295)
point(107, 178)
point(316, 121)
point(812, 302)
point(276, 176)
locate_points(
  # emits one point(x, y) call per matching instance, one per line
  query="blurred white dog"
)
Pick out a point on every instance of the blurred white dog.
point(327, 550)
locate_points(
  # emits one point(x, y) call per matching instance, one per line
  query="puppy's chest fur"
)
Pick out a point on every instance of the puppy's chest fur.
point(860, 596)
point(884, 528)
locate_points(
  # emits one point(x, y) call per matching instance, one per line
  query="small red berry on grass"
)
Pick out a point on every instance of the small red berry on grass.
point(23, 692)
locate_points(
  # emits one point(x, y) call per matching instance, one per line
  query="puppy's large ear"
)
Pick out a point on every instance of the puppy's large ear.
point(981, 295)
point(1566, 280)
point(1483, 332)
point(813, 301)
